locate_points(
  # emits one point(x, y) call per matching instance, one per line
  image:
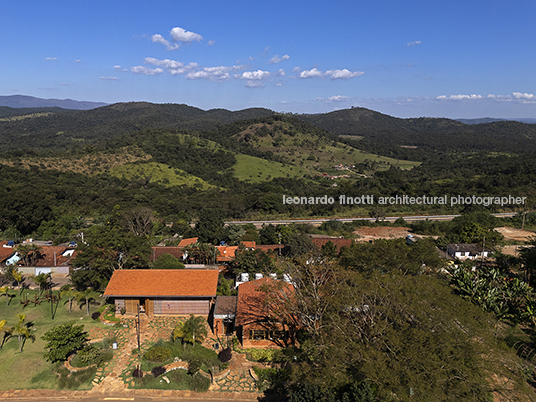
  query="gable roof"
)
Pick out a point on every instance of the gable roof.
point(187, 242)
point(226, 253)
point(6, 252)
point(225, 305)
point(163, 282)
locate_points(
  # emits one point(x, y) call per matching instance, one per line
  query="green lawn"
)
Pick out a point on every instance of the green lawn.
point(256, 170)
point(160, 173)
point(28, 369)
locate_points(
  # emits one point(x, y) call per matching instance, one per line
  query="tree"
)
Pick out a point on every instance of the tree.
point(106, 249)
point(71, 294)
point(64, 340)
point(86, 296)
point(22, 331)
point(29, 253)
point(139, 221)
point(209, 227)
point(42, 281)
point(167, 261)
point(191, 330)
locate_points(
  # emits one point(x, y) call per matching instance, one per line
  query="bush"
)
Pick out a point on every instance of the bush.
point(95, 315)
point(193, 366)
point(89, 353)
point(198, 383)
point(225, 355)
point(158, 354)
point(137, 373)
point(157, 371)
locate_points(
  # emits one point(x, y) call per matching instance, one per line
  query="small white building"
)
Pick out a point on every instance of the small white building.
point(467, 251)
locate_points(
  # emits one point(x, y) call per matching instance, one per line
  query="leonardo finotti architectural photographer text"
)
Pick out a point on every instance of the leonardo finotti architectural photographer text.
point(407, 200)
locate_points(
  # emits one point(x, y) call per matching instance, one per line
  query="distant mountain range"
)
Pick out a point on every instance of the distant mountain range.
point(23, 101)
point(492, 120)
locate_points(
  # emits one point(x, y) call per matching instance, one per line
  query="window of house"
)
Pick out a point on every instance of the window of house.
point(258, 334)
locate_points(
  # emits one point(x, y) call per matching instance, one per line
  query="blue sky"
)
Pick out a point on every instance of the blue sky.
point(458, 59)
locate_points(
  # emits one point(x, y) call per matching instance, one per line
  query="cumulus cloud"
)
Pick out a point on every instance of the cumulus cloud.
point(459, 97)
point(258, 75)
point(313, 73)
point(524, 96)
point(217, 74)
point(414, 43)
point(181, 35)
point(109, 78)
point(343, 74)
point(277, 59)
point(157, 38)
point(515, 97)
point(146, 71)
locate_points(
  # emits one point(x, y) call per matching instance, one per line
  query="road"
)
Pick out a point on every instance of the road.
point(319, 221)
point(124, 399)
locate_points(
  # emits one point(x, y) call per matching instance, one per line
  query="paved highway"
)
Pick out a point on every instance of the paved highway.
point(319, 221)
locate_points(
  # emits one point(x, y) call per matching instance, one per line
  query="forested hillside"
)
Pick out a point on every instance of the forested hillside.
point(176, 158)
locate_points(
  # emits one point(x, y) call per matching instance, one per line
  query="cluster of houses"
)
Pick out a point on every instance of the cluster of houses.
point(194, 290)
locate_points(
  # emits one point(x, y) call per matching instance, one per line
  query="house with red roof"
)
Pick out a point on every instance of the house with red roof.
point(163, 291)
point(262, 319)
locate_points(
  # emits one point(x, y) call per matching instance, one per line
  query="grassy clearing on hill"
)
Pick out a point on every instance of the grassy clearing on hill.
point(314, 153)
point(256, 170)
point(160, 173)
point(29, 370)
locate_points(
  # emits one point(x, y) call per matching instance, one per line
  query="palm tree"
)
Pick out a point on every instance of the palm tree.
point(191, 330)
point(86, 297)
point(70, 293)
point(41, 280)
point(22, 331)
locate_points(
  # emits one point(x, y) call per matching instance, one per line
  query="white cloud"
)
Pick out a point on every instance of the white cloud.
point(281, 73)
point(277, 59)
point(181, 35)
point(110, 78)
point(211, 42)
point(311, 73)
point(157, 38)
point(343, 74)
point(460, 97)
point(146, 71)
point(336, 98)
point(78, 61)
point(217, 74)
point(174, 67)
point(414, 43)
point(525, 97)
point(296, 69)
point(254, 75)
point(51, 58)
point(117, 67)
point(254, 84)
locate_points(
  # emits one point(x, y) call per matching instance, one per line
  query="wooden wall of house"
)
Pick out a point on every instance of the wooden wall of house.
point(131, 306)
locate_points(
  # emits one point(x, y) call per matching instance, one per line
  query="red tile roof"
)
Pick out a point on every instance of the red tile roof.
point(163, 282)
point(187, 242)
point(6, 252)
point(248, 244)
point(227, 253)
point(158, 252)
point(252, 303)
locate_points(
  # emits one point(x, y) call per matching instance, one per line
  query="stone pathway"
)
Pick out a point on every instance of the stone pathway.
point(116, 375)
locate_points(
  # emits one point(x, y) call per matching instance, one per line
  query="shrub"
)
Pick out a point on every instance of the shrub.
point(193, 366)
point(158, 354)
point(123, 310)
point(159, 370)
point(89, 353)
point(95, 315)
point(137, 373)
point(198, 383)
point(225, 355)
